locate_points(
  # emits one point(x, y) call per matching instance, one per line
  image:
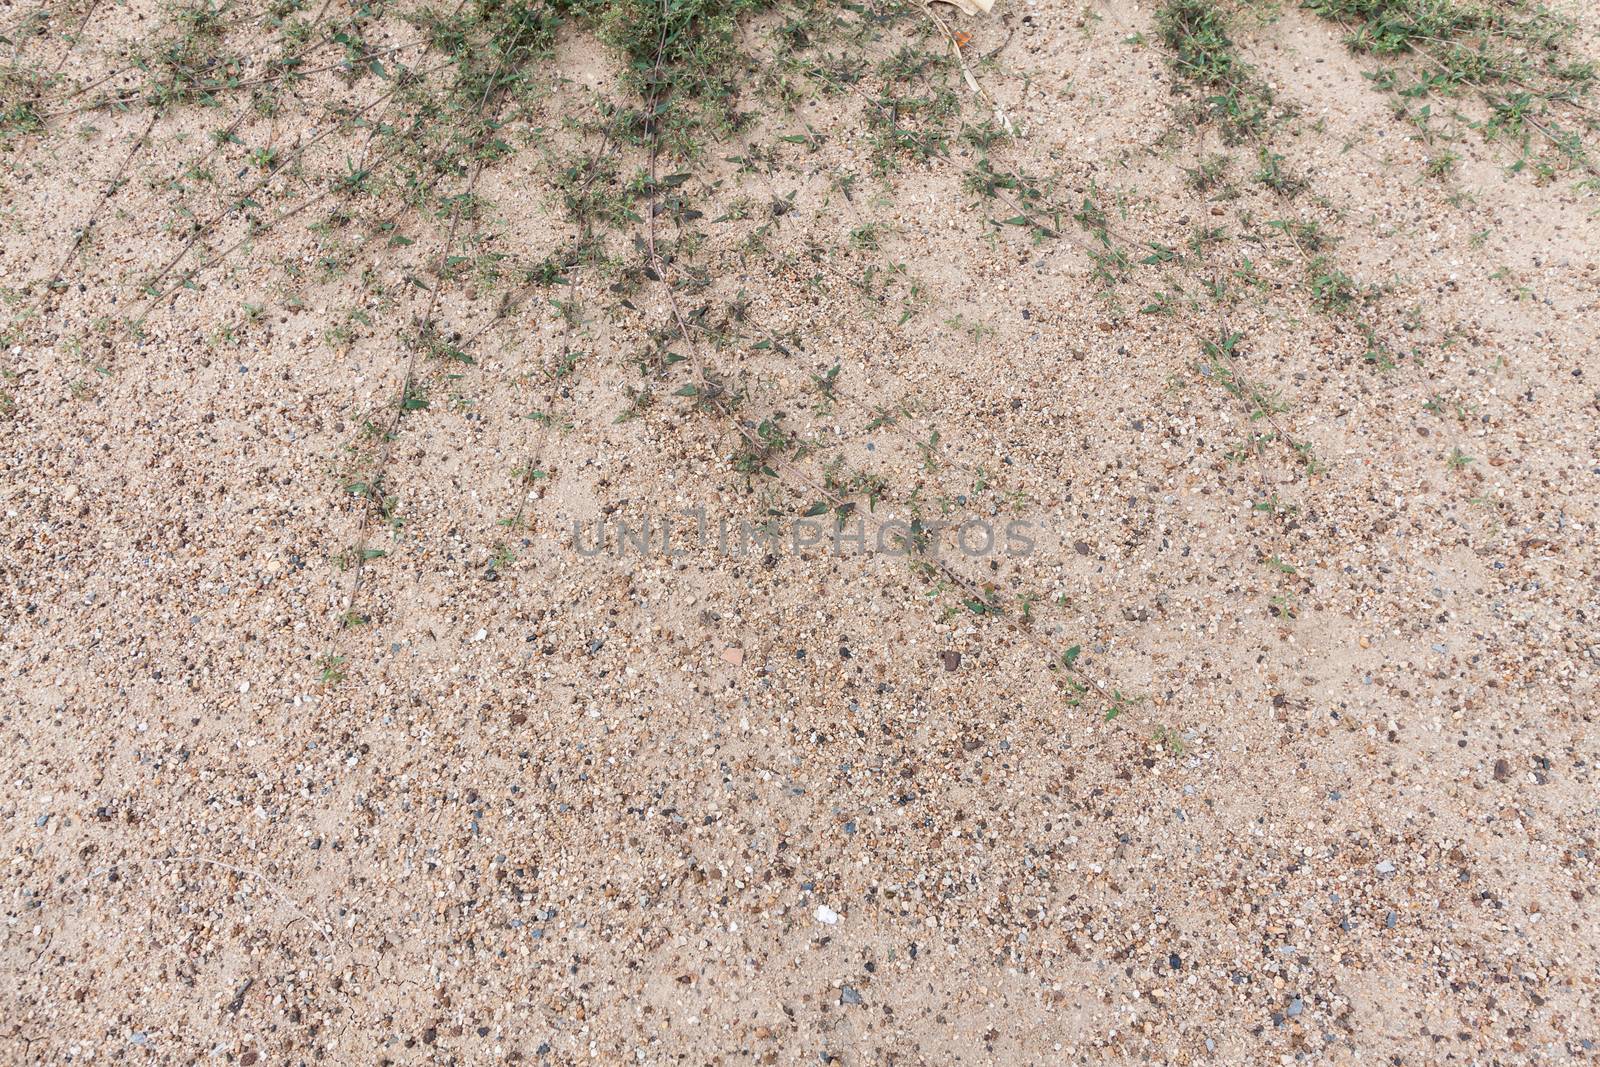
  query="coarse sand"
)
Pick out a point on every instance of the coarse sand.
point(1262, 760)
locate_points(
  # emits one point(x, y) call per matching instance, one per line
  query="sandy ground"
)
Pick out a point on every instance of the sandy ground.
point(788, 808)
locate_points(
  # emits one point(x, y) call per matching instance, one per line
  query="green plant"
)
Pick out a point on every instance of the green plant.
point(1196, 34)
point(1509, 56)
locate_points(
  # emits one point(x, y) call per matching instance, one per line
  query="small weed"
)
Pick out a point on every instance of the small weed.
point(1196, 33)
point(1441, 165)
point(332, 669)
point(1168, 739)
point(1271, 173)
point(1210, 174)
point(1332, 289)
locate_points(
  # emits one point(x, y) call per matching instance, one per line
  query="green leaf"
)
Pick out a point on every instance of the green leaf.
point(1070, 656)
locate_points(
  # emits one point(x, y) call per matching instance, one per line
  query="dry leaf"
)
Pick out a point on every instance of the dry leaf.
point(972, 7)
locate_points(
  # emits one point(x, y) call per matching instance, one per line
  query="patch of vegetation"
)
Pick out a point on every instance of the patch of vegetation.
point(189, 63)
point(387, 200)
point(20, 90)
point(1509, 55)
point(1196, 34)
point(682, 62)
point(1261, 404)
